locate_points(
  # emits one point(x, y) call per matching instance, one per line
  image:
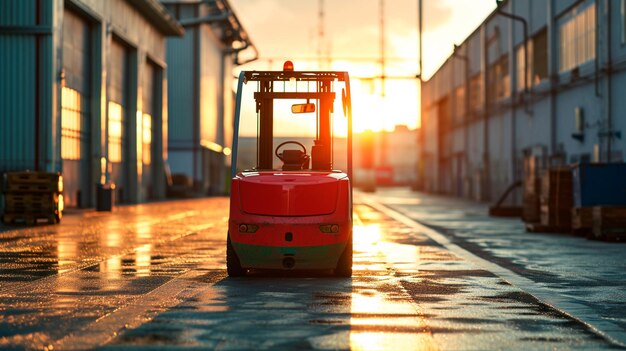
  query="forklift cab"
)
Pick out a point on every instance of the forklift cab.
point(290, 207)
point(307, 98)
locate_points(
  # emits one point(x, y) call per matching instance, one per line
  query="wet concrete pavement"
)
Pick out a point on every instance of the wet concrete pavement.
point(583, 278)
point(153, 277)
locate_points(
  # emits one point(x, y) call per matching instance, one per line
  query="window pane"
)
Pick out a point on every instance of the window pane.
point(115, 132)
point(147, 139)
point(577, 38)
point(70, 124)
point(540, 56)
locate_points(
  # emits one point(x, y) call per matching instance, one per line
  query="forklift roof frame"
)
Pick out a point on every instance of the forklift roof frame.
point(311, 76)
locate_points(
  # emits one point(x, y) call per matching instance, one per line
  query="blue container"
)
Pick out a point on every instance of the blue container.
point(599, 184)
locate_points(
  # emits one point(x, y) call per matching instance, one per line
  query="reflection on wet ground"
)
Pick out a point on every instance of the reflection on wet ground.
point(153, 276)
point(54, 280)
point(588, 275)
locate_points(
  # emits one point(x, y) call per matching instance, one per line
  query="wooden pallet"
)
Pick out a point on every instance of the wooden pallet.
point(31, 218)
point(34, 182)
point(36, 203)
point(582, 220)
point(32, 196)
point(530, 210)
point(33, 177)
point(557, 198)
point(31, 188)
point(609, 222)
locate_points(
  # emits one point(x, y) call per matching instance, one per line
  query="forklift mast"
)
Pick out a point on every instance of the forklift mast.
point(269, 90)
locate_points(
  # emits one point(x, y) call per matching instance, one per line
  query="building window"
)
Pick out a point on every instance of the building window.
point(115, 132)
point(476, 92)
point(459, 103)
point(539, 54)
point(521, 67)
point(70, 124)
point(503, 80)
point(499, 79)
point(537, 61)
point(577, 38)
point(147, 139)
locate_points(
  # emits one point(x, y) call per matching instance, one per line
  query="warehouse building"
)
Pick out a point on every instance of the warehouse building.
point(200, 95)
point(84, 92)
point(539, 83)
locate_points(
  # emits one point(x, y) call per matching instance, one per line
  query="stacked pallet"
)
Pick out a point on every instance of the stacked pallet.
point(532, 190)
point(31, 196)
point(530, 210)
point(582, 220)
point(556, 199)
point(609, 222)
point(596, 184)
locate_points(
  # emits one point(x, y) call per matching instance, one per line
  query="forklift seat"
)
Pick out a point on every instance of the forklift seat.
point(295, 160)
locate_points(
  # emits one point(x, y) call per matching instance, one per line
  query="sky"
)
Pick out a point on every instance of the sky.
point(351, 40)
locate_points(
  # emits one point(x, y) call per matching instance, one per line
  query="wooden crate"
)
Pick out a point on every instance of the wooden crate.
point(556, 198)
point(582, 220)
point(532, 190)
point(609, 222)
point(530, 210)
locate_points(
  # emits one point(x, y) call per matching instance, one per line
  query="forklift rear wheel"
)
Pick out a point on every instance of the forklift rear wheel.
point(233, 266)
point(344, 265)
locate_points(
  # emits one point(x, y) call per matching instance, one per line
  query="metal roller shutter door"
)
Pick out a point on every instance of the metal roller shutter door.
point(148, 118)
point(118, 117)
point(75, 110)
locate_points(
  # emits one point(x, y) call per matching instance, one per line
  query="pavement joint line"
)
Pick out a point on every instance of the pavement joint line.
point(140, 310)
point(609, 331)
point(15, 230)
point(93, 262)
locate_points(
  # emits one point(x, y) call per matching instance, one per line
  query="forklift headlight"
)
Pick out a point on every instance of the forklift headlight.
point(248, 228)
point(329, 228)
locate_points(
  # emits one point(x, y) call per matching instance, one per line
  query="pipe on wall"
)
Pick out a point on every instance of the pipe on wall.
point(37, 83)
point(609, 83)
point(226, 15)
point(485, 182)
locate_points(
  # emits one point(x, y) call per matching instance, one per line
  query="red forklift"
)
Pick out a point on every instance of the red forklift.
point(291, 210)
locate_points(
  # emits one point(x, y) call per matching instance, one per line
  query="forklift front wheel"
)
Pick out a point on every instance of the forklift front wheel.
point(233, 266)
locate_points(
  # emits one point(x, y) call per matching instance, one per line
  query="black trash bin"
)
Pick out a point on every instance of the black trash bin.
point(105, 196)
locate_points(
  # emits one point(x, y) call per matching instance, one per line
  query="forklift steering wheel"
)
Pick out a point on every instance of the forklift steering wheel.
point(280, 156)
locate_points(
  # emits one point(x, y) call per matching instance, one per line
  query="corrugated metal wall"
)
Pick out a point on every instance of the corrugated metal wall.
point(17, 71)
point(181, 85)
point(31, 86)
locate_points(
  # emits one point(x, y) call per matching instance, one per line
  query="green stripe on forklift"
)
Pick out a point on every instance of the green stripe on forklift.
point(306, 257)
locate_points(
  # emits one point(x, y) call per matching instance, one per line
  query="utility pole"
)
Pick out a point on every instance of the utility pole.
point(419, 15)
point(320, 35)
point(419, 185)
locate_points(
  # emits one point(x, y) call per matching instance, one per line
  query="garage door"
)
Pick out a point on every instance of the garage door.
point(75, 110)
point(148, 118)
